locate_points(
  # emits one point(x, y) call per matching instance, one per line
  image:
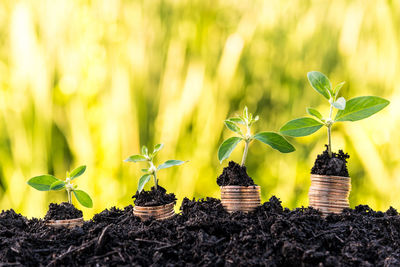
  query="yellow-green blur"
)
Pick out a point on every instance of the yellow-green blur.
point(89, 82)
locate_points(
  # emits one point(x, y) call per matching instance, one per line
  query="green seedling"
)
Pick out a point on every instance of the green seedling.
point(49, 182)
point(355, 109)
point(152, 170)
point(272, 139)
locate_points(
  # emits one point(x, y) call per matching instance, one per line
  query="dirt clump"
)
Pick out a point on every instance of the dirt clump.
point(334, 166)
point(62, 211)
point(234, 174)
point(154, 197)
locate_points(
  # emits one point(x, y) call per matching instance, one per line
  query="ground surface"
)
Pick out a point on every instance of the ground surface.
point(204, 234)
point(234, 174)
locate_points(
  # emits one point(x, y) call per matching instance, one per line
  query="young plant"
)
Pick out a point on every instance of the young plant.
point(49, 182)
point(272, 139)
point(352, 110)
point(152, 170)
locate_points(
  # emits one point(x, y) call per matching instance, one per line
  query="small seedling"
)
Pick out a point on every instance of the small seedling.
point(272, 139)
point(152, 170)
point(49, 182)
point(352, 110)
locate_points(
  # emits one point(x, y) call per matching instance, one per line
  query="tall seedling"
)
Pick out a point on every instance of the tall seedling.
point(272, 139)
point(352, 110)
point(49, 182)
point(152, 170)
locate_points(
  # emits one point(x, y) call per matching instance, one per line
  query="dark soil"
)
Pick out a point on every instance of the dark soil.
point(205, 235)
point(234, 174)
point(154, 197)
point(335, 165)
point(63, 211)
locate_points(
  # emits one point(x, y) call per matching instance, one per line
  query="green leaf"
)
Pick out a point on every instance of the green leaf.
point(135, 158)
point(226, 148)
point(42, 182)
point(301, 127)
point(320, 83)
point(143, 181)
point(145, 151)
point(314, 112)
point(57, 185)
point(77, 172)
point(256, 118)
point(361, 107)
point(157, 148)
point(170, 163)
point(246, 112)
point(276, 141)
point(237, 120)
point(337, 88)
point(145, 170)
point(83, 198)
point(340, 103)
point(232, 126)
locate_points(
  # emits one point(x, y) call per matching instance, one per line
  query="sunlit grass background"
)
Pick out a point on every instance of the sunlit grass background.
point(89, 82)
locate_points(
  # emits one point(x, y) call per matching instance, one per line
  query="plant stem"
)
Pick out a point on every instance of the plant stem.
point(329, 141)
point(69, 196)
point(246, 148)
point(155, 180)
point(329, 133)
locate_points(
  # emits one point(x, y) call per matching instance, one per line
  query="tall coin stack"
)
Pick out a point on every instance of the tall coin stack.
point(329, 194)
point(240, 198)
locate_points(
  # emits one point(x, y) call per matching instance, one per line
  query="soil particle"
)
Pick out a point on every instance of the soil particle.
point(204, 234)
point(234, 174)
point(335, 165)
point(154, 197)
point(62, 211)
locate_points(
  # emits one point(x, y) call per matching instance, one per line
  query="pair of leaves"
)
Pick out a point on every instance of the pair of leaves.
point(49, 182)
point(247, 119)
point(145, 154)
point(272, 139)
point(356, 109)
point(146, 177)
point(322, 85)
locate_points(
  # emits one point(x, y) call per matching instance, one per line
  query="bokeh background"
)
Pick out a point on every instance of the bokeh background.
point(89, 82)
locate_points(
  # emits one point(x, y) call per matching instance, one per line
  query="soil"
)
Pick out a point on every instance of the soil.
point(63, 211)
point(154, 197)
point(335, 165)
point(205, 235)
point(234, 174)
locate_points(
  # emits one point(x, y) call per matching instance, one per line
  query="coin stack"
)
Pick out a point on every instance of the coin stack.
point(240, 198)
point(329, 194)
point(162, 212)
point(70, 223)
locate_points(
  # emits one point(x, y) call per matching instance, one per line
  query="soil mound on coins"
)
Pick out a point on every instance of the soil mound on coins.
point(234, 174)
point(62, 211)
point(335, 165)
point(205, 235)
point(154, 197)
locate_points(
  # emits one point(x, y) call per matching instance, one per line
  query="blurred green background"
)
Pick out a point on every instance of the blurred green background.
point(89, 82)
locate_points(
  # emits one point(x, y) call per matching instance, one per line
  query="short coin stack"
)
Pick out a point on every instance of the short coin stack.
point(69, 223)
point(329, 194)
point(240, 198)
point(162, 212)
